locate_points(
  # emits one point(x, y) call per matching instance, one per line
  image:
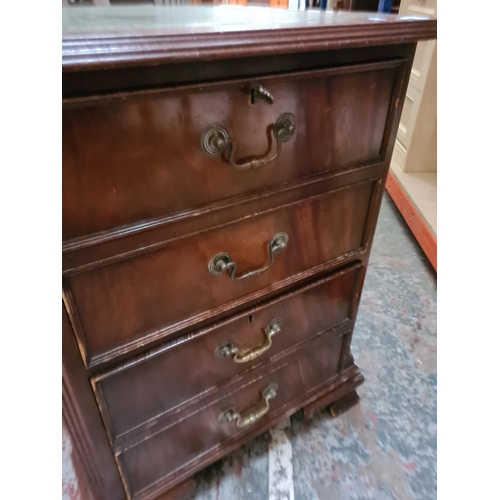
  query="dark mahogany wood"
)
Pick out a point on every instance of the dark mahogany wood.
point(118, 37)
point(82, 88)
point(131, 395)
point(92, 456)
point(313, 367)
point(122, 244)
point(144, 211)
point(127, 163)
point(343, 404)
point(123, 306)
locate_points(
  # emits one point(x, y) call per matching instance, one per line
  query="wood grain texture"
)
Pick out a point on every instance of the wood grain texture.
point(195, 436)
point(93, 459)
point(127, 305)
point(115, 246)
point(108, 85)
point(129, 163)
point(144, 213)
point(117, 37)
point(130, 395)
point(343, 404)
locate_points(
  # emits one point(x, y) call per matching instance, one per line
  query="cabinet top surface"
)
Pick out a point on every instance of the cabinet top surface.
point(117, 36)
point(196, 19)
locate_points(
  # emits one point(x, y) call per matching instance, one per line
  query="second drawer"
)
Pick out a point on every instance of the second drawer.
point(140, 392)
point(121, 307)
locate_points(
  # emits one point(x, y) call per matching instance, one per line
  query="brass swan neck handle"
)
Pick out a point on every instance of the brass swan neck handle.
point(248, 417)
point(244, 356)
point(222, 262)
point(215, 141)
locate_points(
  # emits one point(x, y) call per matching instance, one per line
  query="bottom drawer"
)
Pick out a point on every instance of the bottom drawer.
point(237, 410)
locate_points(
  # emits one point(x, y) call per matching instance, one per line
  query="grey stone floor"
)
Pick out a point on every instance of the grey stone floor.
point(385, 447)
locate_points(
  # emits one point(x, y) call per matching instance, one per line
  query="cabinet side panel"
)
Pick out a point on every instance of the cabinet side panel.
point(92, 459)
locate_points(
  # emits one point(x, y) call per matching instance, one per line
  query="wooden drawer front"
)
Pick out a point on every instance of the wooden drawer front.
point(125, 305)
point(174, 449)
point(140, 392)
point(126, 162)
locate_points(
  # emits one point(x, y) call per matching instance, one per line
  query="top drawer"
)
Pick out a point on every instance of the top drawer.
point(126, 162)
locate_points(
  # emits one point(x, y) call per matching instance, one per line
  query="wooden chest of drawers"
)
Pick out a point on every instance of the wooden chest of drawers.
point(221, 188)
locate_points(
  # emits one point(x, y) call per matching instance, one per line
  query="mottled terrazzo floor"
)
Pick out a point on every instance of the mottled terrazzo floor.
point(385, 447)
point(382, 449)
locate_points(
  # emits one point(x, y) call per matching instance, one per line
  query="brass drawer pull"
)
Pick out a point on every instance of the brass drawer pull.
point(222, 262)
point(229, 349)
point(215, 141)
point(253, 414)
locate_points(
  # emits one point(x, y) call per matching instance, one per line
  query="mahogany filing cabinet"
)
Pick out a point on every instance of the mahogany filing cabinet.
point(222, 170)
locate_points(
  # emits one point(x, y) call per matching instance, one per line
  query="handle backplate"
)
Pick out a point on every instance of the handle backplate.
point(222, 262)
point(215, 141)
